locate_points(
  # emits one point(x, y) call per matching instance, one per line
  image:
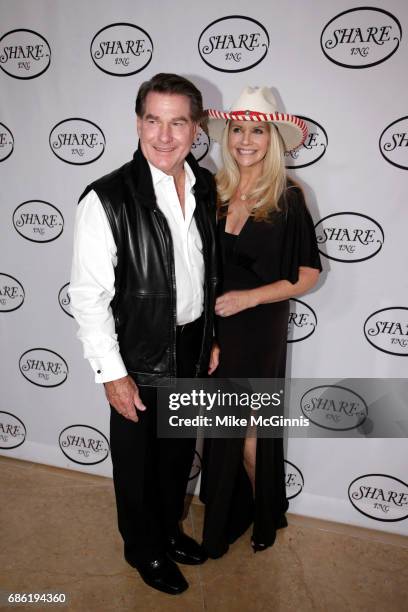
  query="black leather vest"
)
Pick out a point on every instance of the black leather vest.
point(144, 305)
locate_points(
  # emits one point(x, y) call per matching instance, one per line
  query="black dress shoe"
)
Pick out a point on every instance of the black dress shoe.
point(161, 574)
point(183, 549)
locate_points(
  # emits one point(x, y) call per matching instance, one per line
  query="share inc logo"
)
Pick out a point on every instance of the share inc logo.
point(361, 37)
point(302, 321)
point(387, 330)
point(380, 496)
point(43, 368)
point(11, 293)
point(64, 299)
point(24, 54)
point(77, 141)
point(38, 221)
point(200, 145)
point(121, 49)
point(312, 149)
point(12, 431)
point(349, 237)
point(334, 407)
point(233, 44)
point(393, 143)
point(6, 142)
point(293, 479)
point(84, 444)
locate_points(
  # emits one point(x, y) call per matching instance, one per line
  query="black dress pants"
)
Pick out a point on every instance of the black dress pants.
point(150, 474)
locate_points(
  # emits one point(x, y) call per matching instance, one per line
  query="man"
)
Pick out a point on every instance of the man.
point(142, 290)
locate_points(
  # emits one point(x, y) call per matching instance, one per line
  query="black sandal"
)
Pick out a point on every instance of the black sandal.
point(258, 547)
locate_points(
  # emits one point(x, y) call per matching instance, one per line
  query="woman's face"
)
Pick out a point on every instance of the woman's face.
point(248, 142)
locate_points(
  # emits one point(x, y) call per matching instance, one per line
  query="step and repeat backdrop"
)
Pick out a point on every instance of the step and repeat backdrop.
point(69, 73)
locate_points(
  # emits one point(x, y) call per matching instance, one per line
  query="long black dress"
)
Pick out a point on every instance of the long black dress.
point(253, 345)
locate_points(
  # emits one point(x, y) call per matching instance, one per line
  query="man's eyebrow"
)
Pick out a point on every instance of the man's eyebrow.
point(157, 118)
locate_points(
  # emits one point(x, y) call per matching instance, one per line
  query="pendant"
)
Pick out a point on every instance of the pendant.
point(243, 197)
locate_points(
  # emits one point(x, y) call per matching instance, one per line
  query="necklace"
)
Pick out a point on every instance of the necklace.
point(243, 196)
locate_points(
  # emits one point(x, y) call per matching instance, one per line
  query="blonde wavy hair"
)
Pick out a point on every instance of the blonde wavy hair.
point(269, 187)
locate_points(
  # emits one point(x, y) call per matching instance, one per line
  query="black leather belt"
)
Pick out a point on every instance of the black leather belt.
point(189, 327)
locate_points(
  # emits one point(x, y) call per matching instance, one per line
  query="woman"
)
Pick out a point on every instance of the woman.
point(269, 255)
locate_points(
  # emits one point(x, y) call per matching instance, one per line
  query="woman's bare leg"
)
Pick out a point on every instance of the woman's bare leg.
point(250, 459)
point(250, 468)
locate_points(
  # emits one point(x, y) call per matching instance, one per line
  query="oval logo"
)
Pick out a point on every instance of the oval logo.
point(302, 321)
point(312, 149)
point(6, 142)
point(361, 37)
point(77, 141)
point(393, 143)
point(387, 330)
point(38, 221)
point(196, 467)
point(64, 300)
point(381, 497)
point(24, 54)
point(12, 431)
point(200, 145)
point(294, 480)
point(43, 367)
point(334, 407)
point(84, 444)
point(233, 44)
point(349, 237)
point(11, 293)
point(121, 49)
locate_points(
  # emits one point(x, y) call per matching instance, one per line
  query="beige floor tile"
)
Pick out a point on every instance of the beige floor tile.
point(307, 569)
point(58, 533)
point(107, 593)
point(373, 535)
point(15, 474)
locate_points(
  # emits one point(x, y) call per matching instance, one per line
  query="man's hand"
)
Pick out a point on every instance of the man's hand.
point(214, 358)
point(123, 395)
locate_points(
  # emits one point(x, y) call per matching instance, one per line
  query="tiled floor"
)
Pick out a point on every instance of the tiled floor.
point(58, 534)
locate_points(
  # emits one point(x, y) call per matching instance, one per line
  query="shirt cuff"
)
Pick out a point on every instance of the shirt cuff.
point(110, 367)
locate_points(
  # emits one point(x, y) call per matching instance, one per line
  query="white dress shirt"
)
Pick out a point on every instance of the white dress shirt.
point(92, 285)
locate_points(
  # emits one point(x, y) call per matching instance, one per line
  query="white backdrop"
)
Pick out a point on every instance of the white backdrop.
point(69, 73)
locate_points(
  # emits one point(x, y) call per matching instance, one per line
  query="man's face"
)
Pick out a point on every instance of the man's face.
point(166, 131)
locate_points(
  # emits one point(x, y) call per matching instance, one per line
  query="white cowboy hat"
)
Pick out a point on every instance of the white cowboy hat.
point(258, 104)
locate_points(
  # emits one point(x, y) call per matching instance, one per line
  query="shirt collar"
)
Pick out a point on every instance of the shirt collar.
point(158, 175)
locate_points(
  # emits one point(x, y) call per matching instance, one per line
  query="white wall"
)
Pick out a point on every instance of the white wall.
point(354, 95)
